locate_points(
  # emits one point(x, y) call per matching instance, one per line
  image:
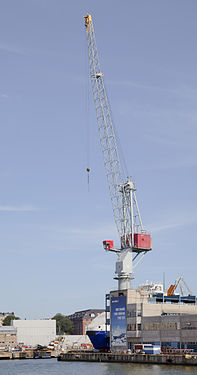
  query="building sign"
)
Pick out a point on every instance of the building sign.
point(118, 321)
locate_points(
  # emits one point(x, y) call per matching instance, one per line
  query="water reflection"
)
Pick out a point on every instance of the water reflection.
point(53, 367)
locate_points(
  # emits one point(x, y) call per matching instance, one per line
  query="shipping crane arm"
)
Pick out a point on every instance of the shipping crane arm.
point(179, 282)
point(106, 131)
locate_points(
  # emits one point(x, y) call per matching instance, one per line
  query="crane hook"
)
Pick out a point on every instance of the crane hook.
point(88, 171)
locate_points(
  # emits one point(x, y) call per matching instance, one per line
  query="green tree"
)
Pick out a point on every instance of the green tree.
point(63, 324)
point(7, 320)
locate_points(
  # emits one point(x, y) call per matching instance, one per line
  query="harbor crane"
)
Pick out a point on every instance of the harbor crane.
point(134, 240)
point(180, 281)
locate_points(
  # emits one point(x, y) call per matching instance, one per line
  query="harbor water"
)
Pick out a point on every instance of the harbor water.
point(53, 367)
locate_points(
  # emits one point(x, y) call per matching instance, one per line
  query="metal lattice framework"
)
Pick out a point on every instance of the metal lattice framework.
point(123, 198)
point(122, 194)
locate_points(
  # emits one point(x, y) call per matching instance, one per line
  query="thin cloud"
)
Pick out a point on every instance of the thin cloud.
point(73, 237)
point(87, 231)
point(17, 208)
point(11, 49)
point(178, 221)
point(184, 91)
point(165, 140)
point(171, 165)
point(20, 50)
point(165, 227)
point(136, 85)
point(4, 96)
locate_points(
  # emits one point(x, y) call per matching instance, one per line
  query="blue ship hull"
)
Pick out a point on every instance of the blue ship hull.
point(99, 339)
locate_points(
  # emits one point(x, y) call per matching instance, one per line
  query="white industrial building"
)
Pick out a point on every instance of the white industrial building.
point(35, 332)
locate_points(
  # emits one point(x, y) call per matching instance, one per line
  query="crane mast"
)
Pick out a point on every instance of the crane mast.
point(124, 203)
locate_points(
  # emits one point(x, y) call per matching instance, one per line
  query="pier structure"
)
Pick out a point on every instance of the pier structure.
point(169, 359)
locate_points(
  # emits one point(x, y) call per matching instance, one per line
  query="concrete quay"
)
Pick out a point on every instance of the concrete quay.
point(28, 354)
point(167, 359)
point(15, 355)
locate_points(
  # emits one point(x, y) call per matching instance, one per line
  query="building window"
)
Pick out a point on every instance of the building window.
point(131, 313)
point(131, 327)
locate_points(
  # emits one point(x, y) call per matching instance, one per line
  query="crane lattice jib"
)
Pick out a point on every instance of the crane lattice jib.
point(106, 133)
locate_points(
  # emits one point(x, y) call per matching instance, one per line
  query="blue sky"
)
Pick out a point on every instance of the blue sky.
point(51, 227)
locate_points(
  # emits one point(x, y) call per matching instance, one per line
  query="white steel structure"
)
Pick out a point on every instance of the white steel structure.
point(133, 239)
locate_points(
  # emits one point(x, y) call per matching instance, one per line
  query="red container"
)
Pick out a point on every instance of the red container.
point(142, 241)
point(108, 245)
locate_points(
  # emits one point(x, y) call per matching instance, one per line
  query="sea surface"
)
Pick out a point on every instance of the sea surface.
point(52, 366)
